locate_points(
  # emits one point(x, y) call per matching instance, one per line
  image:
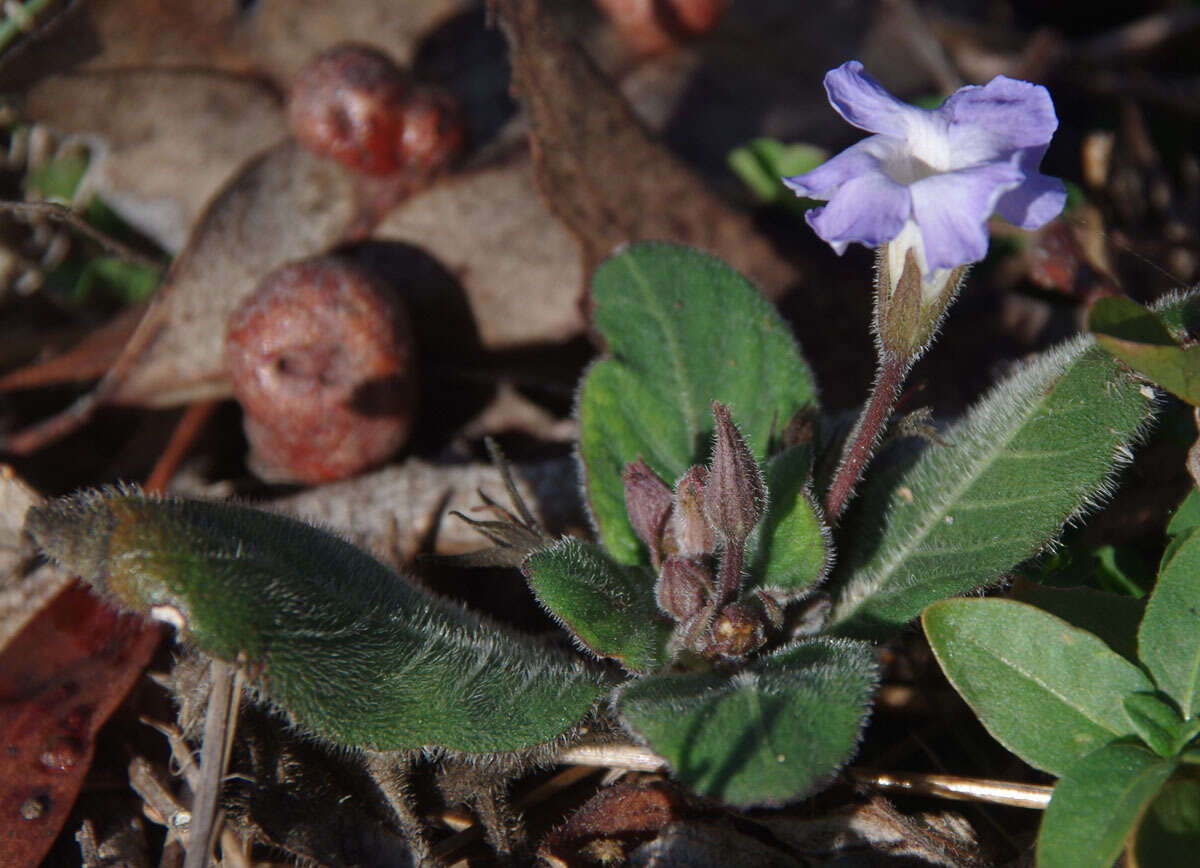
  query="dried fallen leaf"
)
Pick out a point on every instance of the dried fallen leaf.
point(24, 587)
point(167, 139)
point(392, 510)
point(60, 679)
point(521, 271)
point(285, 204)
point(602, 174)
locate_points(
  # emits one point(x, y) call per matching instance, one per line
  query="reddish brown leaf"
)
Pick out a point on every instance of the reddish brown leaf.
point(60, 679)
point(602, 174)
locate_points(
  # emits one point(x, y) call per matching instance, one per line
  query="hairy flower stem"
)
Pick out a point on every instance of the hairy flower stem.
point(729, 581)
point(868, 431)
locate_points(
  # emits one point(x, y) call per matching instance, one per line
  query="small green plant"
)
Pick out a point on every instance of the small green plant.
point(1061, 688)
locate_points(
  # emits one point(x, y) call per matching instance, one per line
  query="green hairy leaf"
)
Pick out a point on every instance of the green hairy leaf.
point(609, 607)
point(1096, 805)
point(683, 330)
point(1040, 449)
point(790, 549)
point(1169, 640)
point(1047, 691)
point(350, 650)
point(1140, 338)
point(766, 735)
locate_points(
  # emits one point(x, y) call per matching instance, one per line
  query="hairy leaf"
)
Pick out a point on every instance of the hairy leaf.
point(1096, 804)
point(1169, 640)
point(766, 735)
point(609, 607)
point(1187, 516)
point(683, 330)
point(790, 549)
point(350, 650)
point(1047, 691)
point(1041, 448)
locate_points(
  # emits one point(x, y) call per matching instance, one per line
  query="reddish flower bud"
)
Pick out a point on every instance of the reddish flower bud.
point(353, 105)
point(689, 530)
point(321, 360)
point(735, 496)
point(683, 587)
point(648, 501)
point(736, 632)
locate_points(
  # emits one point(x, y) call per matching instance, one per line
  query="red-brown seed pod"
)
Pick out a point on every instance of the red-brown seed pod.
point(353, 105)
point(654, 26)
point(321, 359)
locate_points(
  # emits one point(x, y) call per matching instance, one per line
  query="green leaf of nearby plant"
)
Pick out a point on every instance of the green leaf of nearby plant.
point(766, 735)
point(350, 650)
point(1039, 449)
point(1096, 804)
point(1187, 516)
point(1112, 617)
point(1045, 690)
point(609, 607)
point(1139, 337)
point(762, 164)
point(1157, 723)
point(1169, 641)
point(1169, 832)
point(683, 329)
point(789, 550)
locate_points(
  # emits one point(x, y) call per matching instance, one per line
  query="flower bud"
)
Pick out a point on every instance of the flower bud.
point(648, 502)
point(683, 586)
point(735, 496)
point(689, 529)
point(736, 632)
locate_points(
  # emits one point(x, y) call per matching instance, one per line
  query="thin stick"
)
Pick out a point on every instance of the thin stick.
point(182, 438)
point(219, 721)
point(865, 437)
point(62, 214)
point(1035, 796)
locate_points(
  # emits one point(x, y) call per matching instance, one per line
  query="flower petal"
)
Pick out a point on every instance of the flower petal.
point(952, 211)
point(869, 209)
point(992, 121)
point(866, 104)
point(859, 159)
point(1038, 200)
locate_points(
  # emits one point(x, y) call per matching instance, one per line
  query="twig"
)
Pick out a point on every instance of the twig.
point(1035, 796)
point(219, 722)
point(63, 214)
point(186, 431)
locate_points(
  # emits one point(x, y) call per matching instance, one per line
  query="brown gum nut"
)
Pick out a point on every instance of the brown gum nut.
point(654, 26)
point(321, 359)
point(353, 105)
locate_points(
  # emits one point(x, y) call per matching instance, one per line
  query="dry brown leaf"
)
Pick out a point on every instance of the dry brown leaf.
point(521, 271)
point(393, 510)
point(24, 587)
point(284, 205)
point(283, 35)
point(602, 174)
point(171, 138)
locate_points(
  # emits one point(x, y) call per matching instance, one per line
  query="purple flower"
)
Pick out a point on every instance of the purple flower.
point(938, 173)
